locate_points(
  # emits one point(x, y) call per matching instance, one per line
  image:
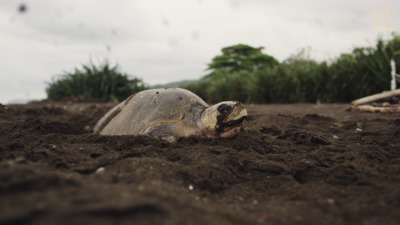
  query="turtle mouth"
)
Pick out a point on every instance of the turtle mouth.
point(231, 124)
point(235, 122)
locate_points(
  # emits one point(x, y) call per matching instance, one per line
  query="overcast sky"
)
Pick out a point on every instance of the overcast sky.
point(163, 41)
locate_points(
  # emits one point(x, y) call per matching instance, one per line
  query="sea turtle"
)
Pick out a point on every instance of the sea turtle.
point(171, 114)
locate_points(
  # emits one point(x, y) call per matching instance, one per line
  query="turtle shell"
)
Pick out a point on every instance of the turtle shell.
point(148, 108)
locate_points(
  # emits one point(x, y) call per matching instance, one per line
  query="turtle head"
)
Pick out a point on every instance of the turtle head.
point(223, 119)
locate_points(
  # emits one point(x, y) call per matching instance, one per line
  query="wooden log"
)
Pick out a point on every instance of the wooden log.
point(376, 97)
point(370, 108)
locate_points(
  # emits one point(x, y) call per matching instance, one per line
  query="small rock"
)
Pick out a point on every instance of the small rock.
point(335, 137)
point(87, 128)
point(100, 170)
point(191, 187)
point(358, 129)
point(331, 201)
point(255, 202)
point(20, 159)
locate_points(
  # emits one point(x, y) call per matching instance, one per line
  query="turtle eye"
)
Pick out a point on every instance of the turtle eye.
point(224, 109)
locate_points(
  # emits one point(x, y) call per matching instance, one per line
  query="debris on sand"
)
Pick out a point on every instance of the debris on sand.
point(385, 102)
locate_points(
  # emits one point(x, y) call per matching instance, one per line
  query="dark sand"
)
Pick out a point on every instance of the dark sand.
point(291, 164)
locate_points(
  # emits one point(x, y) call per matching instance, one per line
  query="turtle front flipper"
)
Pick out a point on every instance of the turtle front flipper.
point(163, 131)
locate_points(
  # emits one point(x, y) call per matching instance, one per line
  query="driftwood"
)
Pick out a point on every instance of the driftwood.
point(370, 108)
point(376, 97)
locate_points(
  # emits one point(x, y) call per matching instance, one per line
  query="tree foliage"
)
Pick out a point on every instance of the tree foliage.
point(241, 57)
point(94, 83)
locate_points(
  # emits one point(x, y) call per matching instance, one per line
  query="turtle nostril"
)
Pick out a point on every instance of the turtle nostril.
point(224, 109)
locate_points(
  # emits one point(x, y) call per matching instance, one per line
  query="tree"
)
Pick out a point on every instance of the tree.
point(241, 57)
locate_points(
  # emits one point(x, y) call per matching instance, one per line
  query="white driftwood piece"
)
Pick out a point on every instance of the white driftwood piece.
point(370, 108)
point(376, 97)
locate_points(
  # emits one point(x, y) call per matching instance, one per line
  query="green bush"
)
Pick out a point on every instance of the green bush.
point(199, 87)
point(232, 87)
point(94, 83)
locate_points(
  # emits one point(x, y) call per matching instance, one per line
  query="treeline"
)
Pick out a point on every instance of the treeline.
point(244, 73)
